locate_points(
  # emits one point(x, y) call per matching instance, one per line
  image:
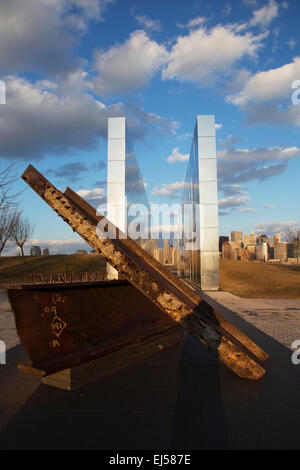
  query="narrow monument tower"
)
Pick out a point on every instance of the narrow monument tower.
point(124, 181)
point(201, 259)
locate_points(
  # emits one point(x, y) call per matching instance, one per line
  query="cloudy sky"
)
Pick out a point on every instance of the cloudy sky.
point(69, 64)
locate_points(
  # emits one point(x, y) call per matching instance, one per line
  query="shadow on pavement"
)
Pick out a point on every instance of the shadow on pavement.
point(179, 398)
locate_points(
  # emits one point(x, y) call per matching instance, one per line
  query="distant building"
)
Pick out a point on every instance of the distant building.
point(46, 252)
point(277, 238)
point(246, 241)
point(263, 239)
point(290, 250)
point(236, 237)
point(280, 251)
point(81, 252)
point(166, 250)
point(236, 253)
point(261, 251)
point(222, 240)
point(297, 247)
point(35, 251)
point(251, 252)
point(252, 239)
point(227, 251)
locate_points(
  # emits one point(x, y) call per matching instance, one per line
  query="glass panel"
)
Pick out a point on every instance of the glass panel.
point(196, 255)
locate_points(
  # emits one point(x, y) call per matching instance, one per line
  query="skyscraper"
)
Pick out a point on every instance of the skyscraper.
point(236, 237)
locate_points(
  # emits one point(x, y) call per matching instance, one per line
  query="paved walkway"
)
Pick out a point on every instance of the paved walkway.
point(278, 318)
point(180, 398)
point(7, 323)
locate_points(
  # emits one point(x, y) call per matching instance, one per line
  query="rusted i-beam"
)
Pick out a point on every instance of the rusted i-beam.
point(189, 296)
point(164, 289)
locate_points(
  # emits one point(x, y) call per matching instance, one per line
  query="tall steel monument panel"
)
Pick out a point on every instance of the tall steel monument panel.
point(199, 251)
point(125, 185)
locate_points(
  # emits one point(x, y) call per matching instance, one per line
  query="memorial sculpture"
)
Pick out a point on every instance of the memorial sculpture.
point(170, 296)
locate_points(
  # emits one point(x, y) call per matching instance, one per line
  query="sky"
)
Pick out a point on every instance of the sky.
point(70, 64)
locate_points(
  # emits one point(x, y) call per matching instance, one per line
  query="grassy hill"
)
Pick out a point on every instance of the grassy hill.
point(250, 280)
point(260, 280)
point(12, 267)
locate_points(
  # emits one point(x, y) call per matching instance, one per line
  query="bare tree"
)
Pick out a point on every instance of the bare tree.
point(7, 179)
point(8, 218)
point(8, 204)
point(291, 234)
point(21, 232)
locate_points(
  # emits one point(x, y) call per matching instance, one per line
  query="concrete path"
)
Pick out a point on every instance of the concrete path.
point(179, 398)
point(278, 318)
point(8, 332)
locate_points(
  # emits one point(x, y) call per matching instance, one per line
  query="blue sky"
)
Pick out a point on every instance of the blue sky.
point(69, 64)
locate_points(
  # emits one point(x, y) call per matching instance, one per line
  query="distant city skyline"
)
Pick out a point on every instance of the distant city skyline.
point(160, 64)
point(72, 245)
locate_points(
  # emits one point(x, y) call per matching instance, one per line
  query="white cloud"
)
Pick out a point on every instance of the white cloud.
point(48, 116)
point(246, 164)
point(95, 197)
point(230, 141)
point(171, 190)
point(232, 189)
point(148, 23)
point(273, 114)
point(269, 228)
point(72, 171)
point(269, 85)
point(269, 206)
point(204, 56)
point(232, 201)
point(41, 35)
point(263, 154)
point(91, 193)
point(245, 210)
point(128, 66)
point(91, 9)
point(193, 22)
point(218, 126)
point(291, 43)
point(265, 15)
point(176, 156)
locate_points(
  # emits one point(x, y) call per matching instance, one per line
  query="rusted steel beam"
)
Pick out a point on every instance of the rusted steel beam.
point(165, 290)
point(191, 298)
point(65, 324)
